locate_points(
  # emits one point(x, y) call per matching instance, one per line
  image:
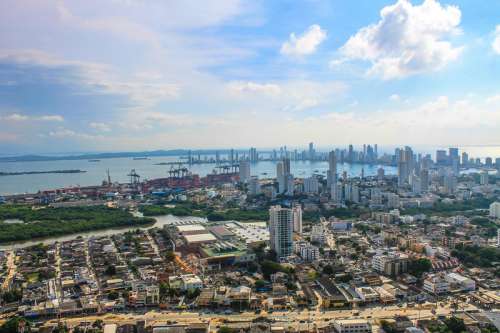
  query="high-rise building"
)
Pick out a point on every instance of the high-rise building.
point(441, 157)
point(453, 155)
point(332, 169)
point(253, 156)
point(231, 156)
point(311, 185)
point(424, 179)
point(336, 192)
point(355, 193)
point(312, 152)
point(416, 185)
point(392, 200)
point(465, 159)
point(380, 173)
point(402, 172)
point(281, 231)
point(495, 210)
point(450, 183)
point(484, 178)
point(244, 171)
point(289, 184)
point(254, 186)
point(297, 219)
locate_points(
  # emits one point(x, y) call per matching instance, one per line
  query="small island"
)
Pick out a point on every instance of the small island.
point(18, 173)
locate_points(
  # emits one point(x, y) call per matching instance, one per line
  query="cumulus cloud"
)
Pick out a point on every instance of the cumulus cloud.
point(394, 98)
point(407, 40)
point(496, 41)
point(62, 133)
point(18, 117)
point(101, 127)
point(253, 87)
point(304, 44)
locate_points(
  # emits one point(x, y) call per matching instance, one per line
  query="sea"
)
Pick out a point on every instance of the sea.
point(119, 168)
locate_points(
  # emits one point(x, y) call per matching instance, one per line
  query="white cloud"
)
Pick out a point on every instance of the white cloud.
point(407, 40)
point(18, 117)
point(394, 98)
point(304, 44)
point(104, 79)
point(253, 87)
point(61, 133)
point(102, 127)
point(493, 99)
point(496, 41)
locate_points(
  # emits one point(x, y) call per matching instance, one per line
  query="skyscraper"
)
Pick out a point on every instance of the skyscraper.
point(244, 171)
point(465, 159)
point(280, 176)
point(254, 186)
point(424, 179)
point(312, 152)
point(332, 169)
point(311, 185)
point(281, 231)
point(441, 157)
point(297, 219)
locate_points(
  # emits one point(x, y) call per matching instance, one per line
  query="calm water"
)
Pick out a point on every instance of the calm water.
point(120, 167)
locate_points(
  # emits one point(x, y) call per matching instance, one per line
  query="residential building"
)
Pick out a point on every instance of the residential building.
point(495, 210)
point(281, 231)
point(352, 326)
point(436, 284)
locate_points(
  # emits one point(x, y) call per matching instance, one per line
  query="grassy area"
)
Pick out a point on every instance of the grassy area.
point(47, 222)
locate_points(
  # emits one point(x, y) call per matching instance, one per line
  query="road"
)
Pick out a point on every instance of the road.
point(11, 267)
point(286, 318)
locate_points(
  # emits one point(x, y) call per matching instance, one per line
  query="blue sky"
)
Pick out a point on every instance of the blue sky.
point(103, 75)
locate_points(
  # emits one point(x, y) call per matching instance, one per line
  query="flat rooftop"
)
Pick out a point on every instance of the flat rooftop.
point(190, 227)
point(200, 238)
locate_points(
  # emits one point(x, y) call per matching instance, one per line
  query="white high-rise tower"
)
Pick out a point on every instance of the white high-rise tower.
point(281, 231)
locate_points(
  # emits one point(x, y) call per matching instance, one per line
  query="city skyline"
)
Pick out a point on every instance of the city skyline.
point(143, 76)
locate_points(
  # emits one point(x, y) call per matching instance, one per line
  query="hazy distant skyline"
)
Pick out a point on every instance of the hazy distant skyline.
point(130, 75)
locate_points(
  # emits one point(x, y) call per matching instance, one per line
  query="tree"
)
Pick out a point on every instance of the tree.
point(12, 325)
point(419, 266)
point(224, 329)
point(110, 270)
point(170, 256)
point(260, 284)
point(113, 295)
point(98, 324)
point(455, 325)
point(328, 270)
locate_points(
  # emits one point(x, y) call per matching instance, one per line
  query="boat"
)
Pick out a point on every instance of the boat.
point(94, 160)
point(140, 158)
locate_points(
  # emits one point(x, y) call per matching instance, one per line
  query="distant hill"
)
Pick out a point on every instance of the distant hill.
point(96, 156)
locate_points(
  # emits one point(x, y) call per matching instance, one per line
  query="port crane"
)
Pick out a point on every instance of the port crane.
point(228, 168)
point(134, 177)
point(178, 172)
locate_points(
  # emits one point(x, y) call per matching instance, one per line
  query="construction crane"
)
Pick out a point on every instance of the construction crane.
point(134, 177)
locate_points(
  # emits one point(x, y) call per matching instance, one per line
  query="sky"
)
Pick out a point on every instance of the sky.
point(124, 75)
